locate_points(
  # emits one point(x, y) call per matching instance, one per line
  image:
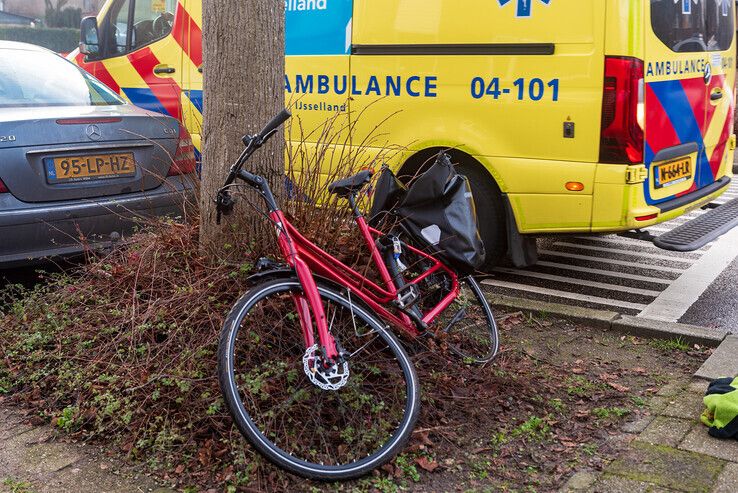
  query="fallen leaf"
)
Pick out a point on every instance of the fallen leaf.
point(606, 377)
point(424, 438)
point(577, 371)
point(428, 465)
point(618, 387)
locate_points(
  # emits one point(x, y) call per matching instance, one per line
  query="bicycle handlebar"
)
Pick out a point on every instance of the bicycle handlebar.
point(273, 125)
point(224, 201)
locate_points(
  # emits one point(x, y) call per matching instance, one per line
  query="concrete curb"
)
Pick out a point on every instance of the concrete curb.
point(722, 363)
point(602, 319)
point(658, 329)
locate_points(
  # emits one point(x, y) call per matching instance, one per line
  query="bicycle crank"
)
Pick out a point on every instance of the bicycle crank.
point(332, 377)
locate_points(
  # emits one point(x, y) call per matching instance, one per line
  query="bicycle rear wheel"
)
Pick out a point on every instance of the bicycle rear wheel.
point(469, 324)
point(274, 390)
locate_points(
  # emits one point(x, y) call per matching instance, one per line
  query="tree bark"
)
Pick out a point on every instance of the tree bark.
point(244, 88)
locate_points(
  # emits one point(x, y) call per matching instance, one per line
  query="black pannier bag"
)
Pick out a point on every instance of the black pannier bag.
point(438, 211)
point(388, 193)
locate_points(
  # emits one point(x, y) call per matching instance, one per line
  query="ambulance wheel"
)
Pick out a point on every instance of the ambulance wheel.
point(490, 213)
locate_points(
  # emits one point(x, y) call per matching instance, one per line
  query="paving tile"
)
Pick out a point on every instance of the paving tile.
point(666, 431)
point(699, 441)
point(697, 386)
point(580, 482)
point(728, 480)
point(657, 404)
point(671, 389)
point(668, 468)
point(638, 425)
point(88, 477)
point(621, 440)
point(31, 455)
point(723, 362)
point(618, 484)
point(686, 406)
point(46, 458)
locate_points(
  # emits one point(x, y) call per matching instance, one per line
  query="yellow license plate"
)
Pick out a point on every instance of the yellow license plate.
point(668, 174)
point(91, 167)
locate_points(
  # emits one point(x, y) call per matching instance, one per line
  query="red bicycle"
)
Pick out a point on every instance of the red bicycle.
point(309, 369)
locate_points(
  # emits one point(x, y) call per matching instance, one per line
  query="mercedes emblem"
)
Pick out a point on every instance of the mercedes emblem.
point(93, 132)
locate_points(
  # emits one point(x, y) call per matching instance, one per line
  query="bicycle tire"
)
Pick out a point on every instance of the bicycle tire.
point(266, 441)
point(474, 337)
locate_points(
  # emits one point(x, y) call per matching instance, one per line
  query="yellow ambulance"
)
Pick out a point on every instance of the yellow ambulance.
point(569, 116)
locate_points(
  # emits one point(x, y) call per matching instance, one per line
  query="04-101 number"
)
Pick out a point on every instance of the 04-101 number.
point(534, 89)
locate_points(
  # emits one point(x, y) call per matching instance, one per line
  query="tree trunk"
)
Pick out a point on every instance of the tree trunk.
point(244, 88)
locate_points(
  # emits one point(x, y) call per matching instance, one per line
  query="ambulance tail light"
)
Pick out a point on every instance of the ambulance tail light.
point(184, 160)
point(623, 111)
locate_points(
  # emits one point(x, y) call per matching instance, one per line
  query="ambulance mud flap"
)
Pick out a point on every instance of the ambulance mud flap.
point(700, 231)
point(522, 250)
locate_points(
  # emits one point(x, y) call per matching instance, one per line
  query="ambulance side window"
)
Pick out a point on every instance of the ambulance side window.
point(133, 24)
point(680, 24)
point(720, 24)
point(152, 21)
point(687, 26)
point(118, 28)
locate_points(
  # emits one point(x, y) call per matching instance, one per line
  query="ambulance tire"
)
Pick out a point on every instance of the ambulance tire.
point(490, 213)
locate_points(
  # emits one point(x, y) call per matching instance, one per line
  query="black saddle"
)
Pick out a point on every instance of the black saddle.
point(351, 185)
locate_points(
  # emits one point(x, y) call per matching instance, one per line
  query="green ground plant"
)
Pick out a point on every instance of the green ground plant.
point(678, 344)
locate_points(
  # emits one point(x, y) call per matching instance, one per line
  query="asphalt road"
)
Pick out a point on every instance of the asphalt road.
point(718, 306)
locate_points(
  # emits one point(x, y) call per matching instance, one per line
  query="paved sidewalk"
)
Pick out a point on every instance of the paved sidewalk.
point(669, 450)
point(32, 461)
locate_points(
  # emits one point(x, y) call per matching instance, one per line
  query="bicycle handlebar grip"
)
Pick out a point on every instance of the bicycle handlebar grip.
point(276, 122)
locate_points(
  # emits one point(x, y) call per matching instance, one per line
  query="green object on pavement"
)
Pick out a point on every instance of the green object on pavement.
point(721, 414)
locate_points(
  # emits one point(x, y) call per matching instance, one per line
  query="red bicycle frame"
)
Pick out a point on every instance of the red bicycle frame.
point(306, 258)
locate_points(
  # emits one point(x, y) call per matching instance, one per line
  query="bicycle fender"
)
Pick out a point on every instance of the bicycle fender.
point(271, 274)
point(285, 272)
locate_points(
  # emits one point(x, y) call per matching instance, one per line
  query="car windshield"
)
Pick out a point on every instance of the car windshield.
point(30, 78)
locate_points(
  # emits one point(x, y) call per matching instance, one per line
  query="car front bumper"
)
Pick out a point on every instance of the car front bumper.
point(30, 232)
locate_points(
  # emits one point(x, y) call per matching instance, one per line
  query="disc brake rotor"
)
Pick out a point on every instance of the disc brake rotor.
point(333, 378)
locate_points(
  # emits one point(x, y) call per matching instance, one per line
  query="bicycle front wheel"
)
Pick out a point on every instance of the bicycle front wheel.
point(316, 422)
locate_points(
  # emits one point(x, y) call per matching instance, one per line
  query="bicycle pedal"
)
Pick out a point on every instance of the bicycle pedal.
point(407, 296)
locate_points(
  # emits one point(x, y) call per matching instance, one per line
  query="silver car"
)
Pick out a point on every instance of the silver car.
point(79, 167)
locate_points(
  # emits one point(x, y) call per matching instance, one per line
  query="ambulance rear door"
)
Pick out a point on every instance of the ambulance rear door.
point(689, 80)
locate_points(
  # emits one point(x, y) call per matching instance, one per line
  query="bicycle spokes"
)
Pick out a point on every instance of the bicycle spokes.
point(332, 413)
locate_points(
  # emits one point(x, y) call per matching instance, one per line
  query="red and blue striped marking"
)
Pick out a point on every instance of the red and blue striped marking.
point(677, 112)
